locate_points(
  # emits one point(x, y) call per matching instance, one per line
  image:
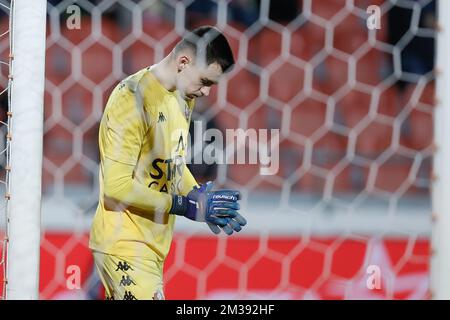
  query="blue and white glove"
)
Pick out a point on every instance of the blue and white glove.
point(219, 209)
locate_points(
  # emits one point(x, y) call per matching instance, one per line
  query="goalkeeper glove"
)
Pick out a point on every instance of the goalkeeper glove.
point(219, 209)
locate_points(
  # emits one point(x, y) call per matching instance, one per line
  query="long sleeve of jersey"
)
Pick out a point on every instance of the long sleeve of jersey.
point(121, 189)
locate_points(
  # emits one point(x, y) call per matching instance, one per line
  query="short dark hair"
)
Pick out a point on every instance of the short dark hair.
point(212, 42)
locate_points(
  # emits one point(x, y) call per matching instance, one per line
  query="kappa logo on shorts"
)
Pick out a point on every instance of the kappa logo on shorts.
point(126, 281)
point(123, 266)
point(129, 296)
point(110, 298)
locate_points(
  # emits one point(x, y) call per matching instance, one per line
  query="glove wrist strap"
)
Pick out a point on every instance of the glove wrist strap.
point(179, 205)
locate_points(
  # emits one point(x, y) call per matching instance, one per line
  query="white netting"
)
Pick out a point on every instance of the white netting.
point(5, 53)
point(354, 107)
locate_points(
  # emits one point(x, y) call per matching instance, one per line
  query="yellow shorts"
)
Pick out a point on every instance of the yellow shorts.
point(129, 278)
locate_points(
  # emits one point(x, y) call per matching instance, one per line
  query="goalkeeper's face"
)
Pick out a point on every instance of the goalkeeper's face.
point(195, 80)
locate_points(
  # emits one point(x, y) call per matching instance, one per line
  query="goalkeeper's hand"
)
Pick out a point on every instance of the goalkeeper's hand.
point(219, 209)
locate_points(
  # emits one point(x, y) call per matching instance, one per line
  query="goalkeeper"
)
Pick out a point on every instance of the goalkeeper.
point(144, 181)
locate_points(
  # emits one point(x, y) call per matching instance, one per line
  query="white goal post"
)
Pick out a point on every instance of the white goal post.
point(27, 91)
point(440, 258)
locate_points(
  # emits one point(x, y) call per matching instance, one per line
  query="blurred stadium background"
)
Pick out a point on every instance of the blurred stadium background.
point(355, 111)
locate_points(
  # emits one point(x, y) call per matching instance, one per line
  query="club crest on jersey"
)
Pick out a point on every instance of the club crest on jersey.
point(186, 112)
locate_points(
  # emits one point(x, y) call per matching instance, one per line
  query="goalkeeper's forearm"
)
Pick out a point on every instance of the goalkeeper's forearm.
point(121, 189)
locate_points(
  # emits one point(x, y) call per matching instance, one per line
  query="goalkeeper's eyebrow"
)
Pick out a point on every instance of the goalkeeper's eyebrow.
point(207, 82)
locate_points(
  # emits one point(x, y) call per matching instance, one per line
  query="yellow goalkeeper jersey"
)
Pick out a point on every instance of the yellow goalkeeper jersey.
point(142, 139)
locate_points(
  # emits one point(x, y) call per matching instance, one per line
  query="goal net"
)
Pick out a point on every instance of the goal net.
point(348, 84)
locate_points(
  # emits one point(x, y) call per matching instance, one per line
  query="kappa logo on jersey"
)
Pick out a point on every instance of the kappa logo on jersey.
point(123, 266)
point(126, 281)
point(161, 117)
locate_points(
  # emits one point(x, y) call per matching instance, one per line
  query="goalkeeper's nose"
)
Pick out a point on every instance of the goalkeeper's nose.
point(205, 91)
